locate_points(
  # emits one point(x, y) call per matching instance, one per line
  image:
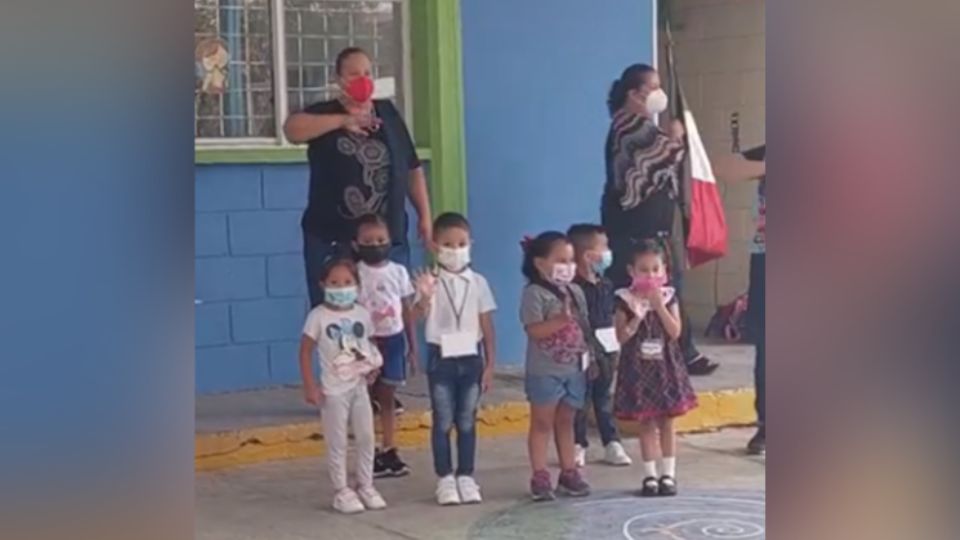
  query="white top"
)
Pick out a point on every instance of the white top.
point(382, 290)
point(344, 346)
point(459, 297)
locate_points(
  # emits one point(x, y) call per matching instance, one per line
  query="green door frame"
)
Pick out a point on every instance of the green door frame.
point(436, 53)
point(438, 99)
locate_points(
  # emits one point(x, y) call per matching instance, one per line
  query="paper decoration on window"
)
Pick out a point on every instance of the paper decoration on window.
point(212, 59)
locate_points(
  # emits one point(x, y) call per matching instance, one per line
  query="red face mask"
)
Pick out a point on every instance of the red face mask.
point(359, 89)
point(645, 284)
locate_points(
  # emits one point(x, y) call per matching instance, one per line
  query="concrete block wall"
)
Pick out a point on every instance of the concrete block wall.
point(250, 282)
point(720, 53)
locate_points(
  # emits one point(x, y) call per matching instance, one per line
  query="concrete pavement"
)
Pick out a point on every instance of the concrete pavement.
point(250, 427)
point(722, 492)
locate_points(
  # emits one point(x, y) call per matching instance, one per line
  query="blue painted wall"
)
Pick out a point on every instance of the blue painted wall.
point(249, 275)
point(536, 75)
point(536, 79)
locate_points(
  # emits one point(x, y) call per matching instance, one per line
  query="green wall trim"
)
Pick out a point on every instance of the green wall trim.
point(438, 99)
point(288, 154)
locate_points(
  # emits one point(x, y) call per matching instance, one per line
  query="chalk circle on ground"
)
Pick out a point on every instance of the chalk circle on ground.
point(693, 515)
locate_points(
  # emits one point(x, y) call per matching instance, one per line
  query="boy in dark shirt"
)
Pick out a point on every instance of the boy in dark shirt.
point(593, 257)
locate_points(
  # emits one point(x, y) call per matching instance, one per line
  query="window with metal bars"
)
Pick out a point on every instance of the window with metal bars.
point(241, 98)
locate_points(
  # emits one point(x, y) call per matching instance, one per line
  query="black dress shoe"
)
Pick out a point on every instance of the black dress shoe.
point(651, 488)
point(702, 366)
point(668, 486)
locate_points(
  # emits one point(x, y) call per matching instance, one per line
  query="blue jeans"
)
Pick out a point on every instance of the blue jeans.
point(316, 252)
point(599, 394)
point(454, 396)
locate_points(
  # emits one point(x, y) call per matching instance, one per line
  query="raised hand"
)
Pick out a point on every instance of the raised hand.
point(425, 283)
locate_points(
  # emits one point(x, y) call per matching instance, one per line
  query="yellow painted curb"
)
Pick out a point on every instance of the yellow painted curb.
point(225, 449)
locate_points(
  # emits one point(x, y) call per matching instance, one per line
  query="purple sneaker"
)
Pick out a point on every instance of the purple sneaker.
point(572, 484)
point(541, 488)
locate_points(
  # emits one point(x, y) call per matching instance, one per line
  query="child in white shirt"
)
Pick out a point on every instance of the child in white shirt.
point(459, 309)
point(341, 330)
point(387, 293)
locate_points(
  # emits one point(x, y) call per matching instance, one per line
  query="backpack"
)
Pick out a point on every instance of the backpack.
point(729, 321)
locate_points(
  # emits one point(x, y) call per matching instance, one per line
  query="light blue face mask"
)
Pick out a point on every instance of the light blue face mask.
point(341, 297)
point(606, 259)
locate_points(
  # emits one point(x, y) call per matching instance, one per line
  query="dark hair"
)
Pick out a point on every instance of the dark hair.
point(368, 220)
point(339, 262)
point(645, 247)
point(346, 53)
point(632, 78)
point(450, 220)
point(582, 234)
point(536, 248)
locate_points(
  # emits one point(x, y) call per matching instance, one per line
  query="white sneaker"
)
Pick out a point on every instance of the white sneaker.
point(347, 502)
point(469, 490)
point(447, 491)
point(616, 455)
point(580, 456)
point(371, 498)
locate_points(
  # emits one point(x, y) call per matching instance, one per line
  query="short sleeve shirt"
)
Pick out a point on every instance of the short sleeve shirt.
point(352, 175)
point(457, 304)
point(343, 345)
point(382, 291)
point(561, 353)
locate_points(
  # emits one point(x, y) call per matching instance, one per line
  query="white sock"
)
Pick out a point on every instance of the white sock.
point(649, 469)
point(668, 466)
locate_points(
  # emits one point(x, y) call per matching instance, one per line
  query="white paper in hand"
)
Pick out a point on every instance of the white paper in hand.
point(458, 344)
point(608, 339)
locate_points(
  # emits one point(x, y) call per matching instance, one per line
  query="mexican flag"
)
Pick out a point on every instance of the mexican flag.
point(705, 227)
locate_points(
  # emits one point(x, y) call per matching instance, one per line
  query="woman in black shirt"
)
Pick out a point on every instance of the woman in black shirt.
point(642, 189)
point(362, 161)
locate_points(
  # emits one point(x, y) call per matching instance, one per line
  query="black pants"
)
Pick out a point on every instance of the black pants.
point(757, 329)
point(617, 273)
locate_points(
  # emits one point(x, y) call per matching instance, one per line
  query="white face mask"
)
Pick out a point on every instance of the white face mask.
point(454, 259)
point(563, 273)
point(657, 101)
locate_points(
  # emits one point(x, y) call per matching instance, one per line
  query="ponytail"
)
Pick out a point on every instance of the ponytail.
point(617, 97)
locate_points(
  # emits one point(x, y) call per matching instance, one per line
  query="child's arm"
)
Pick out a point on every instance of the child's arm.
point(410, 328)
point(424, 283)
point(489, 349)
point(669, 316)
point(549, 327)
point(626, 327)
point(312, 393)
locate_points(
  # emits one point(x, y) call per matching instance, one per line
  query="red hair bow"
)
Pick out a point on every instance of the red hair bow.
point(525, 243)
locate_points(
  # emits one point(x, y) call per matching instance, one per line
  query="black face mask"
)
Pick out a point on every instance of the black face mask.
point(373, 254)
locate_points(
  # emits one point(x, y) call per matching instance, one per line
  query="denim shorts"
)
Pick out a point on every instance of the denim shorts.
point(548, 389)
point(394, 351)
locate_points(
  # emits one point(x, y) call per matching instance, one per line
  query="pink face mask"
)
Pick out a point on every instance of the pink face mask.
point(645, 284)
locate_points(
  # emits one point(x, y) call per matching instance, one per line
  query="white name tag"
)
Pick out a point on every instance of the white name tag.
point(608, 339)
point(651, 349)
point(458, 344)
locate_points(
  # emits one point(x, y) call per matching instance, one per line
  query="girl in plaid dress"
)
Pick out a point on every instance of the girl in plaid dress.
point(653, 386)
